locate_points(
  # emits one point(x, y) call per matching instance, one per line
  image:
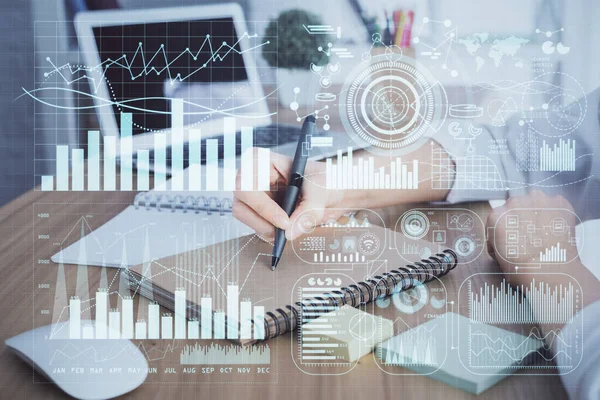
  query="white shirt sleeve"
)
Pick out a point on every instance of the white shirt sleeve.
point(583, 382)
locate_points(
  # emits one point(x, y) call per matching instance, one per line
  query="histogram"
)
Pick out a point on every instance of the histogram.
point(241, 320)
point(348, 173)
point(215, 175)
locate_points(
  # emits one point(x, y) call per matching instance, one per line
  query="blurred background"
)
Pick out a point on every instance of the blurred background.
point(476, 53)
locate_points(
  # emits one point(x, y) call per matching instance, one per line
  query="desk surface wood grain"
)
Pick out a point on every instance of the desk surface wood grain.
point(365, 381)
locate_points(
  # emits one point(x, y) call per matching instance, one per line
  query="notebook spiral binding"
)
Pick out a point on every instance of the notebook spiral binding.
point(178, 203)
point(380, 286)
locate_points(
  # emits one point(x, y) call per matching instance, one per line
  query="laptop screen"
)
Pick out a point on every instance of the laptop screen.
point(145, 65)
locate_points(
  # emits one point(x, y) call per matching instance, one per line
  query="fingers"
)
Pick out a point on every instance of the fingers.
point(315, 213)
point(280, 168)
point(260, 206)
point(264, 206)
point(249, 217)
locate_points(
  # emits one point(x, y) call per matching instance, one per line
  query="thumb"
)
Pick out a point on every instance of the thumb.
point(307, 216)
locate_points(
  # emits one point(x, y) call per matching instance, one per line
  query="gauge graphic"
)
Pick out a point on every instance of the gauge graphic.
point(414, 224)
point(335, 244)
point(368, 244)
point(412, 300)
point(436, 303)
point(389, 102)
point(464, 246)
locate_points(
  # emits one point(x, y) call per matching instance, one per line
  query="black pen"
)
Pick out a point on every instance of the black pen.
point(294, 187)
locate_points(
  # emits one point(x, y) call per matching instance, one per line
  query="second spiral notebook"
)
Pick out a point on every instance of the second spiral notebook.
point(228, 291)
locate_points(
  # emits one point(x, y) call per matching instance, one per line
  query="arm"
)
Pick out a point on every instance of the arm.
point(260, 210)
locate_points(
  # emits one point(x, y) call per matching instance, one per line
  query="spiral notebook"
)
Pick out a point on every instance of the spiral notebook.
point(208, 274)
point(157, 225)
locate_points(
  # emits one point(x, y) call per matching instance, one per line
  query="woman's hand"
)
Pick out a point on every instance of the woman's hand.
point(261, 211)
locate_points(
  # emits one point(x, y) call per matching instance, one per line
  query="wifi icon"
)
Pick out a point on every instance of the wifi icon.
point(368, 243)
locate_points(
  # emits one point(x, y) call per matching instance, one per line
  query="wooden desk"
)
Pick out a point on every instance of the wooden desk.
point(365, 381)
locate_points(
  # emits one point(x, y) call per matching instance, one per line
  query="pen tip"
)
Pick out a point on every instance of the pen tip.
point(274, 262)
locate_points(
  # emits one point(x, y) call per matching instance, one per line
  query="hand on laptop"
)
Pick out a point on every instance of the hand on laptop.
point(261, 212)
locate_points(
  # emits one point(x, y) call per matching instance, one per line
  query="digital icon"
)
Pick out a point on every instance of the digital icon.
point(512, 237)
point(390, 104)
point(335, 245)
point(368, 244)
point(461, 222)
point(464, 246)
point(414, 224)
point(512, 221)
point(436, 303)
point(465, 111)
point(349, 244)
point(325, 97)
point(325, 72)
point(548, 47)
point(454, 129)
point(558, 226)
point(349, 239)
point(439, 237)
point(307, 224)
point(412, 300)
point(512, 251)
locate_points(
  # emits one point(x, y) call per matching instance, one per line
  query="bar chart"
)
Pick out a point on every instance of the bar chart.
point(115, 158)
point(349, 172)
point(315, 348)
point(502, 304)
point(554, 254)
point(558, 158)
point(241, 320)
point(215, 354)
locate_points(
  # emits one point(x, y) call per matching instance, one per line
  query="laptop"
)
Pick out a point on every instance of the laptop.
point(199, 61)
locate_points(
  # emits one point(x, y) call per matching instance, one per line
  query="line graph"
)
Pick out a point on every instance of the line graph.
point(148, 66)
point(208, 281)
point(513, 351)
point(521, 326)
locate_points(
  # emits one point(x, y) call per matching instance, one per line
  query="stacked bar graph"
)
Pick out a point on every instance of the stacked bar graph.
point(314, 344)
point(360, 173)
point(560, 157)
point(554, 254)
point(242, 320)
point(214, 175)
point(538, 303)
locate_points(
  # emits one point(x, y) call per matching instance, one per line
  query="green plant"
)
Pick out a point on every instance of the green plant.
point(290, 45)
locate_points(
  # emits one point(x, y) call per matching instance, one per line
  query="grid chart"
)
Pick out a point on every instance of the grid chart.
point(470, 172)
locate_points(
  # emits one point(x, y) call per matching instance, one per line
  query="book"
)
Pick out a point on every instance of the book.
point(156, 225)
point(451, 370)
point(212, 283)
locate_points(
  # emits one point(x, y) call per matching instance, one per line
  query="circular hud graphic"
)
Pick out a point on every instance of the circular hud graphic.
point(414, 225)
point(389, 103)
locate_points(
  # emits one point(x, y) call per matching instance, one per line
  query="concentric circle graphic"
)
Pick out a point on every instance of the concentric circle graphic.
point(464, 246)
point(390, 102)
point(414, 225)
point(553, 111)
